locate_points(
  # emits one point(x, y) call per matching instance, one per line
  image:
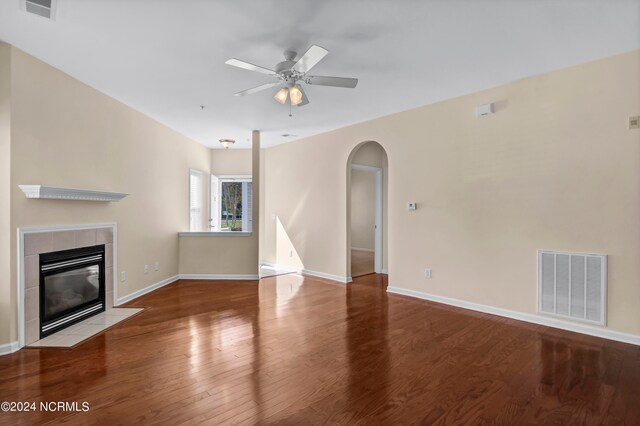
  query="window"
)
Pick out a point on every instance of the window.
point(231, 203)
point(195, 200)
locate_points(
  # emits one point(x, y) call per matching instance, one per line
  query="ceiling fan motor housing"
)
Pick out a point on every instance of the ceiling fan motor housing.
point(284, 67)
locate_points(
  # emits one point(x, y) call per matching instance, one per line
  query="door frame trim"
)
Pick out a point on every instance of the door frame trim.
point(378, 231)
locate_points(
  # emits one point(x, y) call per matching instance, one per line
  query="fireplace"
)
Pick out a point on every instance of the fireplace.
point(72, 287)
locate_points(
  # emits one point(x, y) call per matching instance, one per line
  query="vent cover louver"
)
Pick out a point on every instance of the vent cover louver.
point(44, 8)
point(573, 285)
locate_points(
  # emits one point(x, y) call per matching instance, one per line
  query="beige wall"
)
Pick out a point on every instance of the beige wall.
point(65, 133)
point(369, 154)
point(218, 255)
point(305, 196)
point(363, 209)
point(231, 161)
point(554, 168)
point(6, 301)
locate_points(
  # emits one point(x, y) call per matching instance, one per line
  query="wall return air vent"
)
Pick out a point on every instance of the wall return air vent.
point(573, 285)
point(44, 8)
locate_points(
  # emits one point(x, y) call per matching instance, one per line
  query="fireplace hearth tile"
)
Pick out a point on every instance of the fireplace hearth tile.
point(108, 255)
point(86, 329)
point(64, 240)
point(104, 236)
point(68, 340)
point(47, 341)
point(31, 271)
point(86, 237)
point(104, 319)
point(74, 329)
point(108, 279)
point(32, 303)
point(31, 331)
point(59, 341)
point(37, 243)
point(121, 312)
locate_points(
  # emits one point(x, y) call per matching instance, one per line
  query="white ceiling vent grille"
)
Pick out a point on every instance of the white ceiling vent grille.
point(44, 8)
point(573, 285)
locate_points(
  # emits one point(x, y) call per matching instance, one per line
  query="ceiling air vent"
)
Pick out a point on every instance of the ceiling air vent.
point(44, 8)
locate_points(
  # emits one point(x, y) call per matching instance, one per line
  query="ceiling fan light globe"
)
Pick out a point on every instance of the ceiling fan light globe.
point(296, 95)
point(281, 96)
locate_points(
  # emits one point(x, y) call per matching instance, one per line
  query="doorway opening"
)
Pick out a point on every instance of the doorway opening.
point(366, 210)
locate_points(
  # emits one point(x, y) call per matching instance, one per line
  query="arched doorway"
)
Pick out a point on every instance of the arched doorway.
point(367, 171)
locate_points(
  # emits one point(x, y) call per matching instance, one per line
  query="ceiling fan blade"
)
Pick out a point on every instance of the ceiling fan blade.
point(257, 89)
point(310, 59)
point(319, 80)
point(305, 100)
point(247, 66)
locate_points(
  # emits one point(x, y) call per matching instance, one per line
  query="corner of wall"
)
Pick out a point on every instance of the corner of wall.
point(7, 293)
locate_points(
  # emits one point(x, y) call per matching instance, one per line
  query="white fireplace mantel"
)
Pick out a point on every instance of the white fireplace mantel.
point(57, 193)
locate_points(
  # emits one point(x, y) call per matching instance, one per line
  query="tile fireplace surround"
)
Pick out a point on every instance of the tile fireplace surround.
point(34, 241)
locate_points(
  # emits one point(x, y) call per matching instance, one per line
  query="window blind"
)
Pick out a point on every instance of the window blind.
point(195, 200)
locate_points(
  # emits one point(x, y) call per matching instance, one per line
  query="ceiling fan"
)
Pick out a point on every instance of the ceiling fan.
point(291, 74)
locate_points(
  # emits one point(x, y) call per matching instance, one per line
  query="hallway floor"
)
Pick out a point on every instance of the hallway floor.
point(362, 263)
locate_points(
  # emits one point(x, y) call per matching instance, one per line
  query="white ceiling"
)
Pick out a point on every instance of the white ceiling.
point(166, 57)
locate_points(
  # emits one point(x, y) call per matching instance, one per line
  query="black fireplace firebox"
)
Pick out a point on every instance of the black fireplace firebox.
point(72, 287)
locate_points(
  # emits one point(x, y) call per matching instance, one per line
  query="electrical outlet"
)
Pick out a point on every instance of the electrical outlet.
point(146, 269)
point(123, 276)
point(634, 122)
point(427, 273)
point(156, 265)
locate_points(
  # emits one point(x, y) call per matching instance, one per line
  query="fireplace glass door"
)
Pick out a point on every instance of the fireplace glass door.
point(72, 287)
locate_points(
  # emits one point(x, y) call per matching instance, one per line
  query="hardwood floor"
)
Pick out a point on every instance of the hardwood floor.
point(362, 262)
point(300, 351)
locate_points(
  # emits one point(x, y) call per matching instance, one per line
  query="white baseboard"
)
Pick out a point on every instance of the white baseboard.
point(279, 268)
point(218, 277)
point(143, 291)
point(9, 348)
point(532, 318)
point(327, 276)
point(332, 277)
point(363, 249)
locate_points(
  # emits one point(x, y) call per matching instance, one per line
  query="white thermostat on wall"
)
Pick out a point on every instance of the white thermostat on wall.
point(411, 205)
